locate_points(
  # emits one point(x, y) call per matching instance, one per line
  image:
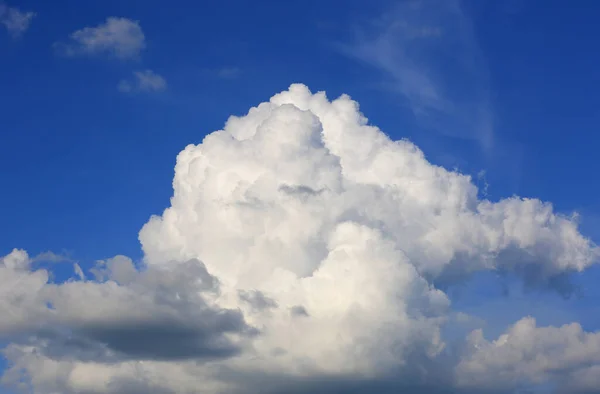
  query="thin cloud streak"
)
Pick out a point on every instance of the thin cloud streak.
point(427, 52)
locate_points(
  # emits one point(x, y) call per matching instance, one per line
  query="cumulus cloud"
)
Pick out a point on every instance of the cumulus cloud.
point(143, 81)
point(308, 165)
point(303, 251)
point(119, 37)
point(14, 20)
point(428, 52)
point(527, 354)
point(122, 316)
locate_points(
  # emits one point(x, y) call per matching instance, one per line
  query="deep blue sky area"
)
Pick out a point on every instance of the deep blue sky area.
point(83, 166)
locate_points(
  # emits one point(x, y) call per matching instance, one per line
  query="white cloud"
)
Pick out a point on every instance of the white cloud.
point(526, 354)
point(143, 81)
point(302, 162)
point(319, 238)
point(428, 53)
point(15, 21)
point(119, 37)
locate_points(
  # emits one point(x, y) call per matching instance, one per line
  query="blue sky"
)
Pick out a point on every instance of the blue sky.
point(94, 154)
point(85, 164)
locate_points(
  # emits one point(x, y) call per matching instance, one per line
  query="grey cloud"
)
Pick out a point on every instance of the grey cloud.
point(131, 386)
point(119, 269)
point(171, 340)
point(299, 310)
point(162, 340)
point(532, 270)
point(301, 191)
point(257, 299)
point(392, 384)
point(155, 314)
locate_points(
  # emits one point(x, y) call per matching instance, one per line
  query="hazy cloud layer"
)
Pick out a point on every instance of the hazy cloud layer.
point(14, 20)
point(143, 81)
point(303, 251)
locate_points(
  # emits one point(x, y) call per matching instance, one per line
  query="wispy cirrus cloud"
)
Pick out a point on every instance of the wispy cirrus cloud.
point(14, 20)
point(119, 37)
point(427, 52)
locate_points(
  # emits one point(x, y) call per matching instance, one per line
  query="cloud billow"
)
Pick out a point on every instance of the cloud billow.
point(302, 252)
point(150, 315)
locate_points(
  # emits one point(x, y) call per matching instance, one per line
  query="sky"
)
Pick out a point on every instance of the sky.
point(325, 196)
